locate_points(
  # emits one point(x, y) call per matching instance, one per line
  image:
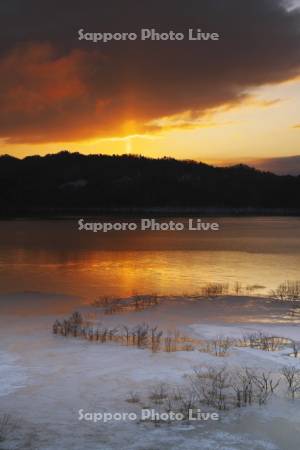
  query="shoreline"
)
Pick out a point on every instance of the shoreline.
point(61, 213)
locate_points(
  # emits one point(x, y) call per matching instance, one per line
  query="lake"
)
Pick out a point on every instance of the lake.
point(52, 256)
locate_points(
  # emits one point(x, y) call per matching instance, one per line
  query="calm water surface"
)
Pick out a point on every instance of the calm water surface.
point(53, 256)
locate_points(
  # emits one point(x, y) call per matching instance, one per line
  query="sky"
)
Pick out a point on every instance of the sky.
point(232, 100)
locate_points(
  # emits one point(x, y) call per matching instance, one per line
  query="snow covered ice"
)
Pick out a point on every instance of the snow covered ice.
point(46, 379)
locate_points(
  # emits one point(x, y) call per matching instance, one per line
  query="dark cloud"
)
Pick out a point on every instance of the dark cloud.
point(54, 87)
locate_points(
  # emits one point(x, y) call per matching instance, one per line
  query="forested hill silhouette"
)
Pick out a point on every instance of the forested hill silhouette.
point(69, 182)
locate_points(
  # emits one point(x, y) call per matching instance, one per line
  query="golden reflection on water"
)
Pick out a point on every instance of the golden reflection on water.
point(52, 256)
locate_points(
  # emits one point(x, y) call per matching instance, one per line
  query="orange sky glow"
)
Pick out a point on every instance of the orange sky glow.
point(234, 99)
point(262, 126)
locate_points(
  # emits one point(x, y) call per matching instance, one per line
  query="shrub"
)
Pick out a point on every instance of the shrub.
point(292, 378)
point(159, 393)
point(7, 425)
point(133, 397)
point(287, 291)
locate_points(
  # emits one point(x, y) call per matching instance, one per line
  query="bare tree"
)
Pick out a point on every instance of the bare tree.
point(263, 341)
point(185, 401)
point(237, 288)
point(221, 346)
point(155, 339)
point(295, 347)
point(159, 393)
point(287, 291)
point(213, 290)
point(265, 385)
point(292, 377)
point(211, 386)
point(242, 384)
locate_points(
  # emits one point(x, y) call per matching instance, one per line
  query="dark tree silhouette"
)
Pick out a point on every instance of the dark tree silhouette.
point(69, 182)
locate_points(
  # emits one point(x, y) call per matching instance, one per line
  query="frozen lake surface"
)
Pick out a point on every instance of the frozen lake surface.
point(46, 379)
